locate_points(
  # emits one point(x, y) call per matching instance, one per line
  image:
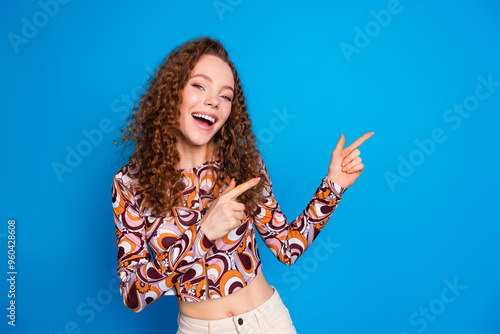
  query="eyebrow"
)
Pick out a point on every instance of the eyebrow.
point(209, 79)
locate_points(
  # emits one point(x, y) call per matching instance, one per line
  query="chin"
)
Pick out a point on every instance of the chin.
point(199, 141)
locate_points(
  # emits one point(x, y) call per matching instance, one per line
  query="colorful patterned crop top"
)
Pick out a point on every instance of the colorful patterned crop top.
point(181, 254)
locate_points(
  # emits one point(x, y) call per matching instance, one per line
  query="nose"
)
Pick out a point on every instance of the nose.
point(212, 100)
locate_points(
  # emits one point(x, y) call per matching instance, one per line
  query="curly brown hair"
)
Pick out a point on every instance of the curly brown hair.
point(154, 128)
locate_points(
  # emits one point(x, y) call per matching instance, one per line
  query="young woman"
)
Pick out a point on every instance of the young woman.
point(195, 189)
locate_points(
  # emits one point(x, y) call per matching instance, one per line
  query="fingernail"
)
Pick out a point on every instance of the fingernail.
point(256, 180)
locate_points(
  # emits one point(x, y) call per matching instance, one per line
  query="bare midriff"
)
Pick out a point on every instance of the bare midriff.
point(241, 301)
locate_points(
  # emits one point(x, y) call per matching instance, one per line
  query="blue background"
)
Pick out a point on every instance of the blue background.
point(418, 219)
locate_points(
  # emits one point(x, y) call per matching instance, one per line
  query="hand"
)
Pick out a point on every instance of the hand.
point(345, 164)
point(225, 213)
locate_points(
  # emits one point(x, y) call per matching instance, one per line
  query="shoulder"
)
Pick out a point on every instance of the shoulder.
point(265, 178)
point(260, 162)
point(126, 178)
point(262, 166)
point(126, 187)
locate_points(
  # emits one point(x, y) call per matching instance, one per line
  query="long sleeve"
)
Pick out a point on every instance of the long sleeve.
point(288, 241)
point(142, 279)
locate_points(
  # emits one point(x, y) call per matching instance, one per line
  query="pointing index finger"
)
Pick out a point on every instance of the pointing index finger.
point(358, 142)
point(240, 189)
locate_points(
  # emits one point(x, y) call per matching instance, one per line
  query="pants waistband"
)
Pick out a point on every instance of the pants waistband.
point(242, 322)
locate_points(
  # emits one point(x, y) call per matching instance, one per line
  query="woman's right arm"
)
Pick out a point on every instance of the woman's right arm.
point(142, 280)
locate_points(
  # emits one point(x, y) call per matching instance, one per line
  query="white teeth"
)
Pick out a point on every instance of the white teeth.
point(211, 119)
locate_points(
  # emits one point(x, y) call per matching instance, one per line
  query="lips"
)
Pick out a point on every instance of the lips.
point(204, 120)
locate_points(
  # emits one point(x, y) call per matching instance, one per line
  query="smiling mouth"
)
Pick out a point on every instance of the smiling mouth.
point(204, 119)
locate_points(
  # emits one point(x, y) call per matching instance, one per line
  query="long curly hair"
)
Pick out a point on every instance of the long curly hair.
point(154, 128)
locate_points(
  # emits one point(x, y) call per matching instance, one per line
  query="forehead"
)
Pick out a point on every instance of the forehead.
point(215, 68)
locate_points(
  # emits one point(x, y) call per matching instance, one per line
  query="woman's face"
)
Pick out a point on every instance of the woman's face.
point(206, 101)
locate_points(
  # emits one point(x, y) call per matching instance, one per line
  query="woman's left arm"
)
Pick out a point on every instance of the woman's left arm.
point(345, 164)
point(288, 241)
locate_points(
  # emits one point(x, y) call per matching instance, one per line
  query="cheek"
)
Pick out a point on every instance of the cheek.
point(221, 124)
point(189, 98)
point(226, 113)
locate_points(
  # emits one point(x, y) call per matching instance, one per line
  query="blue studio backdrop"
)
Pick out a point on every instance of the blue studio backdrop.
point(413, 246)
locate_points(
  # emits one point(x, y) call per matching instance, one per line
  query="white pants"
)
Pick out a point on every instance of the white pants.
point(270, 317)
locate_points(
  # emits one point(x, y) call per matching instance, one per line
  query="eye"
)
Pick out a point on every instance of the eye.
point(227, 98)
point(198, 86)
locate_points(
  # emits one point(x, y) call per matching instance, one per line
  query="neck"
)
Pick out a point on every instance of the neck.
point(191, 156)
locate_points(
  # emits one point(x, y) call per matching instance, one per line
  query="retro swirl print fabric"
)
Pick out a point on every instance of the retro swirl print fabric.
point(181, 255)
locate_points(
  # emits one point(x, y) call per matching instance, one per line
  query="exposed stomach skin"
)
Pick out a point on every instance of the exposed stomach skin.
point(241, 301)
